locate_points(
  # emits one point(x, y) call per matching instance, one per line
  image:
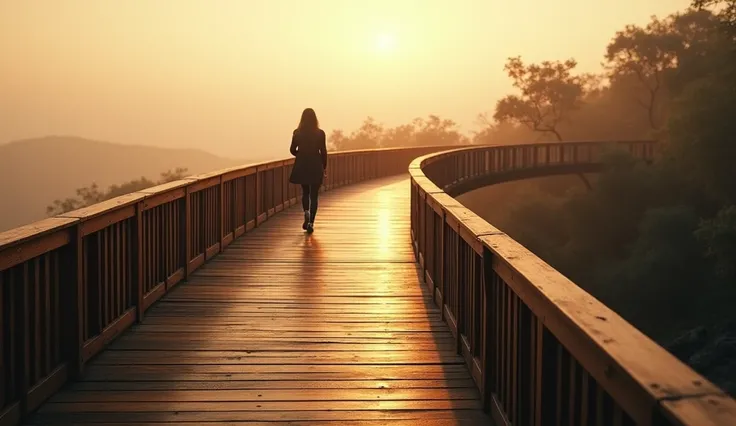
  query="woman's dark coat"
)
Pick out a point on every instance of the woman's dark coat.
point(310, 150)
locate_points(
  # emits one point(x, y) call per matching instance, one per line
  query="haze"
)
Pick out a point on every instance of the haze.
point(231, 77)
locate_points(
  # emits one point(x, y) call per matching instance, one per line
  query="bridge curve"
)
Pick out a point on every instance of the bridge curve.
point(73, 284)
point(541, 350)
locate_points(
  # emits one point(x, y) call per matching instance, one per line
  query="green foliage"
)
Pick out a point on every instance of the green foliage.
point(701, 134)
point(91, 195)
point(718, 235)
point(420, 132)
point(549, 93)
point(656, 243)
point(727, 10)
point(655, 284)
point(661, 57)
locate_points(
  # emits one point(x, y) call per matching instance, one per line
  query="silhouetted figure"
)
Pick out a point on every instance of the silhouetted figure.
point(308, 145)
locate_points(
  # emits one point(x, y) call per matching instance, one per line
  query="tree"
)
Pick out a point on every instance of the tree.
point(172, 175)
point(91, 195)
point(656, 243)
point(727, 13)
point(433, 130)
point(85, 197)
point(662, 57)
point(719, 238)
point(659, 284)
point(701, 135)
point(368, 136)
point(549, 93)
point(436, 131)
point(644, 53)
point(701, 126)
point(337, 141)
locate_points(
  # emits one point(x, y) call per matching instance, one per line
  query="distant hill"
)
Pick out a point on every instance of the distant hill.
point(35, 172)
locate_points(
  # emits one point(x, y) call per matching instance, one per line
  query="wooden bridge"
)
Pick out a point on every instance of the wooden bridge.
point(202, 302)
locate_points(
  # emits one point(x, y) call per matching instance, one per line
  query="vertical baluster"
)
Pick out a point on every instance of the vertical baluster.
point(138, 262)
point(25, 346)
point(13, 338)
point(546, 376)
point(34, 314)
point(48, 349)
point(58, 317)
point(4, 380)
point(509, 349)
point(573, 394)
point(515, 355)
point(119, 266)
point(525, 366)
point(222, 216)
point(585, 400)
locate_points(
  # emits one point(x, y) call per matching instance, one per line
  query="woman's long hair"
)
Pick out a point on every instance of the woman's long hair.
point(308, 121)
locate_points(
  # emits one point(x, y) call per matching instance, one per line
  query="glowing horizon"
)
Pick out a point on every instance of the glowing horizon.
point(232, 77)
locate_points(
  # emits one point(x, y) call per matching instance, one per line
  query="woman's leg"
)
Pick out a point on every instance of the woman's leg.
point(305, 205)
point(313, 201)
point(305, 198)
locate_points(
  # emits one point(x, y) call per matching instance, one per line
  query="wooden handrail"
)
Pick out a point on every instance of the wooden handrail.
point(542, 350)
point(71, 284)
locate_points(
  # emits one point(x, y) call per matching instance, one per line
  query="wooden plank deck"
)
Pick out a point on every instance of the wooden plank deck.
point(287, 327)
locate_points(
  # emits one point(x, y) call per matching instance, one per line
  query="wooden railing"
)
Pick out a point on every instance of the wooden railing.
point(541, 350)
point(71, 284)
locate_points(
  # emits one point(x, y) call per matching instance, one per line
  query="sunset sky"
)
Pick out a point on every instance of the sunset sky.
point(232, 77)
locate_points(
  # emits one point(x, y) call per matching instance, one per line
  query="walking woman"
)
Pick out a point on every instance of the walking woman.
point(309, 147)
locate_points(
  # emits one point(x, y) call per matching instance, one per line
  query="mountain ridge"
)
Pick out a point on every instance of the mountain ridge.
point(36, 171)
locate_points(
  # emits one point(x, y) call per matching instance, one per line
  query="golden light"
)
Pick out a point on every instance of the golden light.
point(386, 42)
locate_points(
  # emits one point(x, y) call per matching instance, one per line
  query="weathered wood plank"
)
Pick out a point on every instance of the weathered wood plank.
point(24, 233)
point(275, 372)
point(203, 383)
point(615, 353)
point(287, 327)
point(705, 410)
point(277, 395)
point(208, 406)
point(300, 417)
point(252, 358)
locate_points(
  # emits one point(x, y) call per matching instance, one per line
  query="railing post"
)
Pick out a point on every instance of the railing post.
point(259, 197)
point(138, 262)
point(439, 287)
point(22, 351)
point(422, 219)
point(412, 214)
point(234, 205)
point(202, 216)
point(486, 329)
point(74, 302)
point(186, 233)
point(460, 303)
point(271, 210)
point(361, 166)
point(286, 200)
point(221, 212)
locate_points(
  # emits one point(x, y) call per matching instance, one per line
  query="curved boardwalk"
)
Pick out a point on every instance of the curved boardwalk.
point(286, 327)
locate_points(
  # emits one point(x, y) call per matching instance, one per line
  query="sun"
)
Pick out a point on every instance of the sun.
point(386, 42)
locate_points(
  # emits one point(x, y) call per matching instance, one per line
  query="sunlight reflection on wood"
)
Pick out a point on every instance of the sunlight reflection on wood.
point(331, 326)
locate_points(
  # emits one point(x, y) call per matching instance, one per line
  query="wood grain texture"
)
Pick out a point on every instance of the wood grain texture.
point(21, 234)
point(285, 327)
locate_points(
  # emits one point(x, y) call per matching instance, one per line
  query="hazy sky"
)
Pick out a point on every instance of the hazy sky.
point(232, 76)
